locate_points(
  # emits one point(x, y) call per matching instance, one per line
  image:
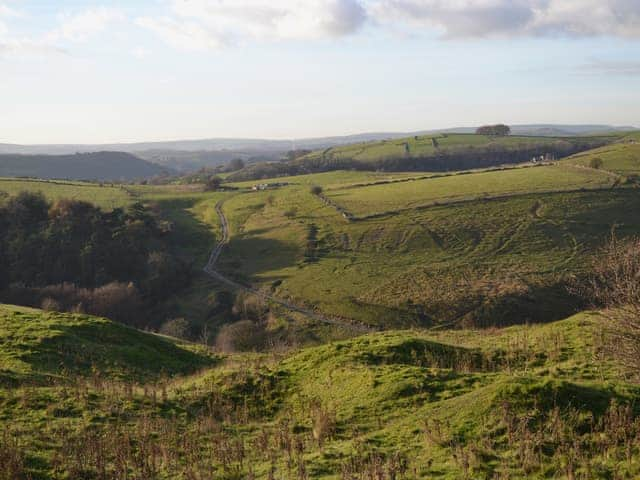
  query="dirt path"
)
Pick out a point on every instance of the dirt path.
point(210, 270)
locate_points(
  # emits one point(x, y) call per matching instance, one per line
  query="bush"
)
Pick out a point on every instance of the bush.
point(613, 284)
point(176, 327)
point(242, 336)
point(50, 305)
point(596, 163)
point(118, 301)
point(316, 190)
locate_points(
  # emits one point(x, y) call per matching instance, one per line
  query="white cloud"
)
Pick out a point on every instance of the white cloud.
point(485, 18)
point(183, 35)
point(78, 27)
point(208, 24)
point(19, 44)
point(72, 27)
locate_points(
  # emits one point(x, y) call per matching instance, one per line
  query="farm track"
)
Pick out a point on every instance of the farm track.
point(210, 270)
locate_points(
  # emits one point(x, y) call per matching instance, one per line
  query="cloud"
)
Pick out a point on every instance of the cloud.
point(71, 27)
point(209, 24)
point(508, 18)
point(17, 45)
point(78, 27)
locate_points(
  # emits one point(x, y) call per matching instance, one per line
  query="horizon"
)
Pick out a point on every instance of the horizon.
point(296, 139)
point(111, 72)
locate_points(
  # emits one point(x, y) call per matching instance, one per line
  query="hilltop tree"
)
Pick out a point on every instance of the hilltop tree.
point(213, 183)
point(316, 190)
point(596, 163)
point(499, 130)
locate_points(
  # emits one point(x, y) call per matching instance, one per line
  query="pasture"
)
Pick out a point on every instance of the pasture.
point(407, 404)
point(621, 158)
point(429, 145)
point(107, 196)
point(377, 199)
point(447, 263)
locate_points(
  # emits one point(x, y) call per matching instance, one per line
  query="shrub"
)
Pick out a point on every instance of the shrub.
point(614, 284)
point(176, 327)
point(241, 336)
point(596, 163)
point(316, 190)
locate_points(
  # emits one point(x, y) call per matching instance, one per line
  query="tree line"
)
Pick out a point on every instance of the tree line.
point(442, 160)
point(71, 255)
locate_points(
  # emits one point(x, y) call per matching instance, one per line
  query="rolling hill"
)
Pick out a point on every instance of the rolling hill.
point(185, 155)
point(104, 166)
point(432, 152)
point(523, 402)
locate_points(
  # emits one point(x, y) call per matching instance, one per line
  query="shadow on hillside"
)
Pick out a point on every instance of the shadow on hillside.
point(190, 236)
point(246, 257)
point(111, 350)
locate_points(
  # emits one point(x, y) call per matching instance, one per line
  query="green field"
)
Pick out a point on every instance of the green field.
point(108, 197)
point(522, 402)
point(402, 196)
point(434, 261)
point(621, 158)
point(445, 263)
point(428, 145)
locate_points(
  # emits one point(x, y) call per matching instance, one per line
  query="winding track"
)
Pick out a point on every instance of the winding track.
point(210, 270)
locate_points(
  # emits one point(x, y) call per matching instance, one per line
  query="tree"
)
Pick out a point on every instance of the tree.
point(316, 190)
point(614, 285)
point(213, 183)
point(596, 163)
point(499, 130)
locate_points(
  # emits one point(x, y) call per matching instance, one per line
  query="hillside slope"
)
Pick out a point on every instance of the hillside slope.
point(84, 166)
point(38, 346)
point(522, 402)
point(431, 152)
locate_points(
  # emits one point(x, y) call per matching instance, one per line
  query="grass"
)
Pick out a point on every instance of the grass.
point(400, 196)
point(107, 196)
point(39, 346)
point(478, 262)
point(423, 404)
point(621, 158)
point(458, 262)
point(428, 145)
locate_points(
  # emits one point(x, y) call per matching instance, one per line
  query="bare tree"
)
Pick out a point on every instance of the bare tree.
point(614, 286)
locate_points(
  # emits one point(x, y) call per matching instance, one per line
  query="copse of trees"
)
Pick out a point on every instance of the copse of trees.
point(499, 130)
point(45, 245)
point(213, 183)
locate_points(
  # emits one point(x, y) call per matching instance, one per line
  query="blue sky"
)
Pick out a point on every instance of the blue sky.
point(77, 71)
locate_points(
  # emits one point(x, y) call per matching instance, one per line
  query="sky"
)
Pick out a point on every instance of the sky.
point(75, 71)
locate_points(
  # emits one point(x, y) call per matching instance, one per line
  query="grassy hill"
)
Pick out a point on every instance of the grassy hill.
point(622, 157)
point(41, 346)
point(522, 402)
point(432, 152)
point(105, 196)
point(417, 254)
point(81, 166)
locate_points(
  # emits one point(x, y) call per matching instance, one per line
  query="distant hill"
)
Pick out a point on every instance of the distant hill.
point(431, 152)
point(80, 166)
point(187, 155)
